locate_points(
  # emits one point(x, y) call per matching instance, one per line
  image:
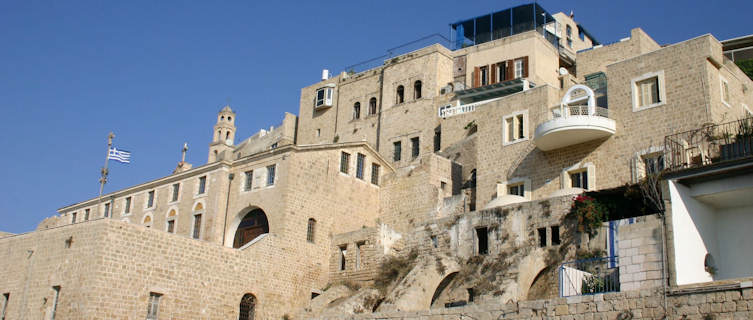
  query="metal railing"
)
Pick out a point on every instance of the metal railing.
point(589, 276)
point(449, 110)
point(579, 111)
point(397, 51)
point(709, 144)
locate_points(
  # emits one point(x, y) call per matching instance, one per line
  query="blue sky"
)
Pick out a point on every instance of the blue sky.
point(157, 72)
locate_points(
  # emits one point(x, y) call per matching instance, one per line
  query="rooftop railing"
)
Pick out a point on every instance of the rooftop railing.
point(567, 111)
point(709, 145)
point(589, 276)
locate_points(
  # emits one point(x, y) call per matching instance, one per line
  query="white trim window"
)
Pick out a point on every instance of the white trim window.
point(648, 91)
point(515, 128)
point(175, 192)
point(515, 186)
point(323, 97)
point(579, 176)
point(724, 87)
point(151, 198)
point(201, 186)
point(518, 68)
point(127, 202)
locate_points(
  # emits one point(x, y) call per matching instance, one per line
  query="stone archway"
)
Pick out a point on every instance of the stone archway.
point(249, 226)
point(247, 307)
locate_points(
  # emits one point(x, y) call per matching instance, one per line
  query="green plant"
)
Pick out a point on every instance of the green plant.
point(393, 269)
point(593, 284)
point(585, 254)
point(744, 129)
point(590, 214)
point(472, 127)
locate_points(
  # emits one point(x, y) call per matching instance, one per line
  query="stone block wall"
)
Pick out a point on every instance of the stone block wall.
point(640, 261)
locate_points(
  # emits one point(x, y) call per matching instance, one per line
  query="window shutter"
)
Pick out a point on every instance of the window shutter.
point(493, 73)
point(476, 77)
point(525, 67)
point(328, 97)
point(509, 70)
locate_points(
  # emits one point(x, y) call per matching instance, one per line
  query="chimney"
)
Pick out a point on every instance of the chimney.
point(325, 74)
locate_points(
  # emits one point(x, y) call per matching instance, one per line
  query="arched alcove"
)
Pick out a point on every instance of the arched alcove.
point(248, 226)
point(247, 307)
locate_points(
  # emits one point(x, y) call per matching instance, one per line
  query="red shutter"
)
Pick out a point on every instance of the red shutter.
point(525, 67)
point(493, 73)
point(476, 77)
point(509, 70)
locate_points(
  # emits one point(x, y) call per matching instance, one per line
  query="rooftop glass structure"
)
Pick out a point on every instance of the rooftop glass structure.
point(501, 24)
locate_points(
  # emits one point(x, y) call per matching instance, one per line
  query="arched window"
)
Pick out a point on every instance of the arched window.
point(310, 230)
point(198, 212)
point(248, 304)
point(372, 106)
point(400, 94)
point(357, 110)
point(148, 221)
point(417, 89)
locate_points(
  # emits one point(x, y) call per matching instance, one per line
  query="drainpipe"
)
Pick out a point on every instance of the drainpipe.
point(227, 205)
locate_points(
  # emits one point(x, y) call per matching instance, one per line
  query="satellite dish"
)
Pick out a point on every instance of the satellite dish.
point(563, 71)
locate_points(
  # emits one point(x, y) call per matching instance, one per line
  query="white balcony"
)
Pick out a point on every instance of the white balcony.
point(574, 124)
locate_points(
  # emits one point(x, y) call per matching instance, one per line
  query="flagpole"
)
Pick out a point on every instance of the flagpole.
point(103, 178)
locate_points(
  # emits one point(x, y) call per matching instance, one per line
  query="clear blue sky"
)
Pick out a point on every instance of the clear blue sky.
point(157, 72)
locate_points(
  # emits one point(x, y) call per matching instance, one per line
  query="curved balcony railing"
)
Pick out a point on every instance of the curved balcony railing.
point(572, 125)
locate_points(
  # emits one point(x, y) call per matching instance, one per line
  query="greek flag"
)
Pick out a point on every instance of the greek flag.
point(121, 156)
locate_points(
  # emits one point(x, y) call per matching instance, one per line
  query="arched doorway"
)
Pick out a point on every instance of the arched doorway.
point(248, 304)
point(253, 224)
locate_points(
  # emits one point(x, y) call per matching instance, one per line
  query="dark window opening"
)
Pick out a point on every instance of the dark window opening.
point(343, 252)
point(579, 180)
point(357, 110)
point(414, 147)
point(171, 226)
point(542, 237)
point(271, 175)
point(314, 295)
point(6, 299)
point(176, 190)
point(55, 301)
point(482, 234)
point(375, 174)
point(434, 242)
point(253, 225)
point(400, 94)
point(86, 215)
point(360, 159)
point(150, 199)
point(73, 220)
point(437, 138)
point(471, 295)
point(555, 235)
point(345, 162)
point(107, 210)
point(417, 89)
point(398, 150)
point(372, 105)
point(196, 226)
point(310, 230)
point(202, 184)
point(247, 306)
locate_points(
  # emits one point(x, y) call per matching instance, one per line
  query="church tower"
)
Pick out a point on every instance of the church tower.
point(224, 134)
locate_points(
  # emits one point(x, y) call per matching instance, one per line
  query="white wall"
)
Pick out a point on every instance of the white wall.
point(734, 228)
point(694, 235)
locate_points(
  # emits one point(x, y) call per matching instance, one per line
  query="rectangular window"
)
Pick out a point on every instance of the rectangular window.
point(196, 226)
point(518, 68)
point(202, 185)
point(176, 190)
point(516, 189)
point(375, 174)
point(397, 151)
point(542, 237)
point(249, 182)
point(359, 165)
point(152, 310)
point(648, 91)
point(55, 301)
point(520, 126)
point(86, 215)
point(107, 210)
point(434, 241)
point(359, 251)
point(484, 77)
point(127, 206)
point(437, 139)
point(150, 199)
point(6, 299)
point(555, 235)
point(579, 179)
point(271, 175)
point(725, 92)
point(343, 252)
point(515, 127)
point(171, 226)
point(323, 97)
point(73, 219)
point(654, 164)
point(510, 129)
point(414, 147)
point(482, 234)
point(501, 71)
point(345, 162)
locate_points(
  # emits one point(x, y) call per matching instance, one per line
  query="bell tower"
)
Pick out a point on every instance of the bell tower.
point(224, 134)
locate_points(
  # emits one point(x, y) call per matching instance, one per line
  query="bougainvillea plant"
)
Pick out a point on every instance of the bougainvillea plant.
point(590, 214)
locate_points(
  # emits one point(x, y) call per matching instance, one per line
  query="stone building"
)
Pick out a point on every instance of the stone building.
point(456, 165)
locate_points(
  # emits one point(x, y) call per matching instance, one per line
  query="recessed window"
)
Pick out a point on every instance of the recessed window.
point(372, 106)
point(127, 206)
point(375, 174)
point(176, 192)
point(569, 33)
point(171, 216)
point(555, 235)
point(542, 237)
point(725, 91)
point(248, 182)
point(517, 189)
point(344, 162)
point(515, 127)
point(150, 199)
point(310, 230)
point(482, 235)
point(55, 299)
point(323, 97)
point(397, 151)
point(107, 210)
point(202, 185)
point(271, 175)
point(417, 89)
point(400, 94)
point(414, 147)
point(86, 215)
point(359, 252)
point(356, 110)
point(73, 217)
point(360, 159)
point(648, 91)
point(579, 179)
point(196, 226)
point(484, 75)
point(6, 299)
point(343, 253)
point(653, 163)
point(152, 311)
